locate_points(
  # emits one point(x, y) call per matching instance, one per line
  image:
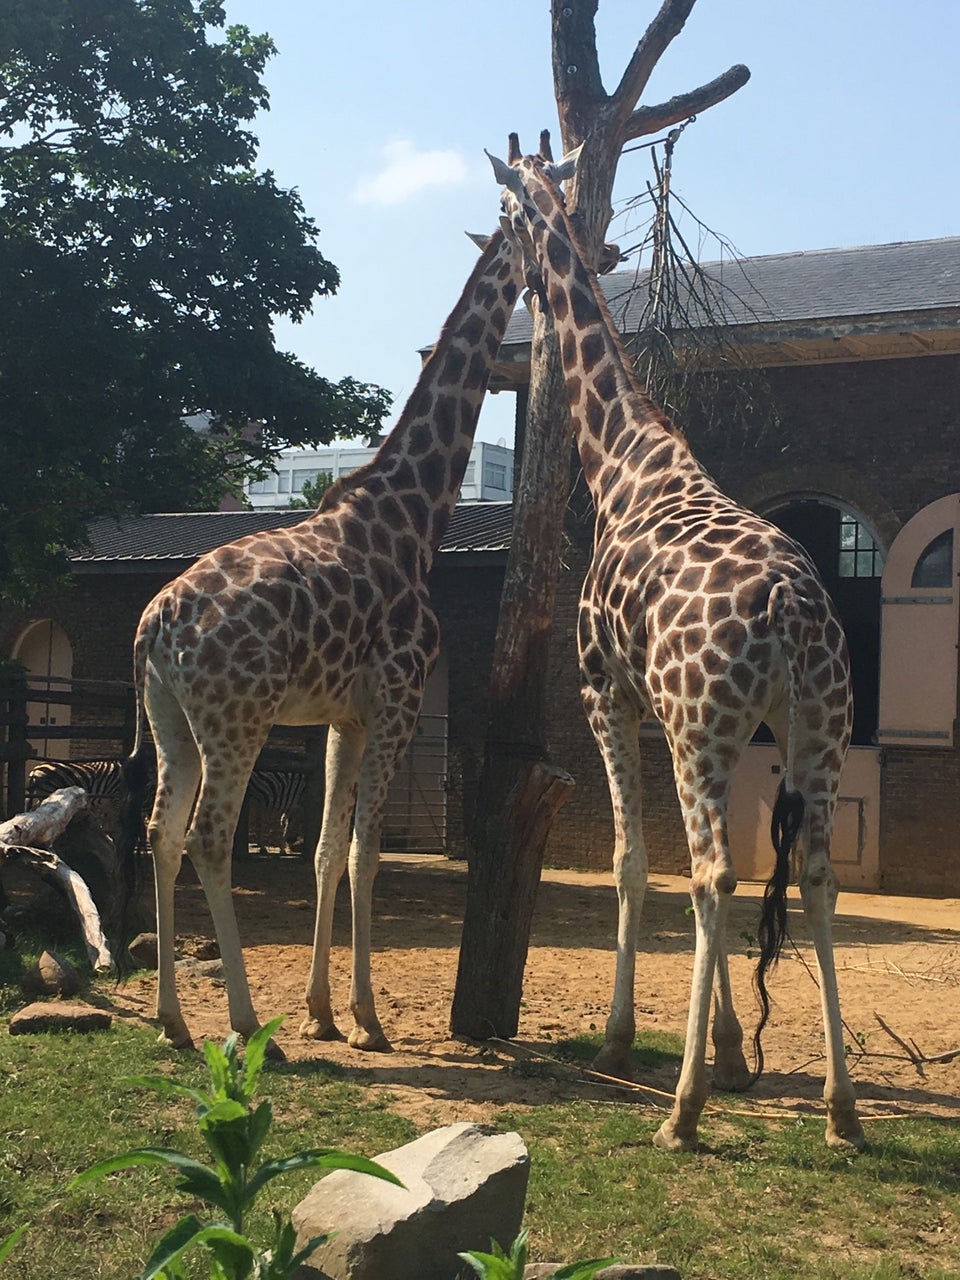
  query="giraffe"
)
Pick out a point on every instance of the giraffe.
point(325, 622)
point(699, 613)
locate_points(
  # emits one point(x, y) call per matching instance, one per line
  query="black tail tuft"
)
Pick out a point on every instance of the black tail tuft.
point(784, 829)
point(131, 845)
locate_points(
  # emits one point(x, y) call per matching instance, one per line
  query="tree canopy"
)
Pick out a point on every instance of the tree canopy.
point(142, 259)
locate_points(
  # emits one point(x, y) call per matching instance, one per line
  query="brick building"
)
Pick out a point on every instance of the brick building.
point(861, 350)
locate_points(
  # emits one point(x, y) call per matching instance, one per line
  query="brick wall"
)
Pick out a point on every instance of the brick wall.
point(920, 821)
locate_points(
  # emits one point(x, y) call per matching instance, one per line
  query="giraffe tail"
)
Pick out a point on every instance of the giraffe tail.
point(788, 617)
point(131, 836)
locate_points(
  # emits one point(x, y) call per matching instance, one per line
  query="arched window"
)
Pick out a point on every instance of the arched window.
point(934, 568)
point(918, 673)
point(850, 560)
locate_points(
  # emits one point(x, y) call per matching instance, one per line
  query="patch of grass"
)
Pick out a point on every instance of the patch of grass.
point(17, 963)
point(762, 1198)
point(651, 1049)
point(64, 1105)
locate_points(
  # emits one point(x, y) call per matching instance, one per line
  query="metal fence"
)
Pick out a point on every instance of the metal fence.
point(54, 718)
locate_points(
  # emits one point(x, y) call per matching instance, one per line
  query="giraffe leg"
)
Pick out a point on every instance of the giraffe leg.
point(344, 753)
point(178, 776)
point(209, 845)
point(616, 727)
point(818, 890)
point(386, 743)
point(712, 884)
point(730, 1070)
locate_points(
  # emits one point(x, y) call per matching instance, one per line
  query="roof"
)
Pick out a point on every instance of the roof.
point(171, 538)
point(854, 292)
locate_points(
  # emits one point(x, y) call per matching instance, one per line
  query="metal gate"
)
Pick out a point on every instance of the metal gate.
point(415, 816)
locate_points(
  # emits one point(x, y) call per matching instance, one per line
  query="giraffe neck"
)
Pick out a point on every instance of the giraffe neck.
point(421, 464)
point(619, 428)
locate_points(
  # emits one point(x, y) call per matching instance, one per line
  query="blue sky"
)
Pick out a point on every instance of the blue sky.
point(848, 132)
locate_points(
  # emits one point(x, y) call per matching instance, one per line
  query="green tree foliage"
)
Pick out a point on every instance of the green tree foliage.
point(312, 492)
point(142, 257)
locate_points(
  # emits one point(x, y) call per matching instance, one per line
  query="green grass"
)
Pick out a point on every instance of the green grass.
point(763, 1200)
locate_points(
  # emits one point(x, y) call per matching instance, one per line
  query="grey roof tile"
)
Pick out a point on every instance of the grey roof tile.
point(474, 526)
point(817, 284)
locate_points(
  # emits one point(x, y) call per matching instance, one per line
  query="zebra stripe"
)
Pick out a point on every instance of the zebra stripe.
point(277, 790)
point(101, 779)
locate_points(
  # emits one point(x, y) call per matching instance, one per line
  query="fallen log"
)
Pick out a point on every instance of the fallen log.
point(21, 839)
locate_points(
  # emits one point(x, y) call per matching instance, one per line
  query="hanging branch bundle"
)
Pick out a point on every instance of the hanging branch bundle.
point(684, 347)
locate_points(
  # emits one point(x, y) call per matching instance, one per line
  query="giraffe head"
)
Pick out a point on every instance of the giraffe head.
point(521, 210)
point(531, 187)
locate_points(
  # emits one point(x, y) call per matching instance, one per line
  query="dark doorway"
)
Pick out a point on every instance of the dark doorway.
point(850, 563)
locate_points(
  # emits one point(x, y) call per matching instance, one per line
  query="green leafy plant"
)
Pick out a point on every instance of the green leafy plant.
point(510, 1266)
point(234, 1130)
point(9, 1243)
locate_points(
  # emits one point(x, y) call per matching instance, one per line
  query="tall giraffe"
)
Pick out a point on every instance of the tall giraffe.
point(326, 622)
point(709, 618)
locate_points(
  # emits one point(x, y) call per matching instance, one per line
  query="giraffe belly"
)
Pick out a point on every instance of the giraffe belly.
point(335, 702)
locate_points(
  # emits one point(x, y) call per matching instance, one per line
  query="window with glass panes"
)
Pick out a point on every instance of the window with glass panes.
point(860, 557)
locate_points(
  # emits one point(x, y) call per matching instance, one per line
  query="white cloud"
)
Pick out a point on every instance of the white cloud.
point(406, 172)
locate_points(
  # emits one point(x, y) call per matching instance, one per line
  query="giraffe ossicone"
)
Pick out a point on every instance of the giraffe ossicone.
point(325, 622)
point(702, 615)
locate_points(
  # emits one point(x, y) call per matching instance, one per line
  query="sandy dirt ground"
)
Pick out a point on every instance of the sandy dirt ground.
point(898, 958)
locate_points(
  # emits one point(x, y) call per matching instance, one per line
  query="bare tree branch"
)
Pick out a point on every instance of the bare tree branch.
point(665, 27)
point(647, 120)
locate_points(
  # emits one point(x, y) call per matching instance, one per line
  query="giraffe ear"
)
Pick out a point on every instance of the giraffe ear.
point(505, 174)
point(480, 241)
point(567, 166)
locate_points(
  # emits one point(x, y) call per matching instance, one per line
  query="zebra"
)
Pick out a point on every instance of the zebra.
point(280, 791)
point(275, 790)
point(101, 779)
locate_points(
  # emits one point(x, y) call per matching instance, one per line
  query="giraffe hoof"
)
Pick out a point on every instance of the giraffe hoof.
point(369, 1041)
point(732, 1077)
point(179, 1040)
point(668, 1139)
point(273, 1052)
point(613, 1062)
point(313, 1029)
point(847, 1137)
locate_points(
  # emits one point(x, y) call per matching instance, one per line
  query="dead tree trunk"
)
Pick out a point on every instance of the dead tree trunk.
point(510, 832)
point(516, 780)
point(20, 838)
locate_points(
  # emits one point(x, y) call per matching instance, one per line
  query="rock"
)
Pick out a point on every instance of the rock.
point(57, 976)
point(143, 951)
point(206, 949)
point(463, 1186)
point(58, 1015)
point(201, 968)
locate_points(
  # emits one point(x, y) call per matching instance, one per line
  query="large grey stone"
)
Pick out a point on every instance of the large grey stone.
point(56, 976)
point(463, 1187)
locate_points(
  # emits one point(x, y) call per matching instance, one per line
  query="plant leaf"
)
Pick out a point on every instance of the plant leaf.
point(8, 1244)
point(160, 1084)
point(255, 1056)
point(583, 1270)
point(317, 1158)
point(225, 1244)
point(143, 1156)
point(488, 1266)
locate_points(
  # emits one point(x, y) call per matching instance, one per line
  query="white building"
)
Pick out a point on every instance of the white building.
point(488, 478)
